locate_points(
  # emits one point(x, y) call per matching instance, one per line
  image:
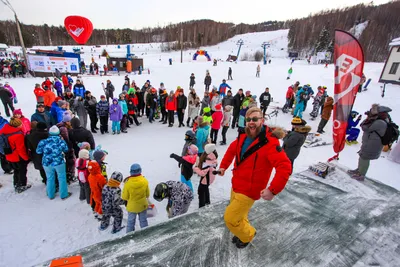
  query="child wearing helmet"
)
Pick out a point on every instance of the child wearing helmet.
point(111, 201)
point(351, 130)
point(178, 194)
point(190, 138)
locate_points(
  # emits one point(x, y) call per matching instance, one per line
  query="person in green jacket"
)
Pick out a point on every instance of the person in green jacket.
point(290, 71)
point(136, 191)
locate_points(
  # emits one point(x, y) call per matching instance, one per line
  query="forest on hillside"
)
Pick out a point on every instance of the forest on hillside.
point(306, 35)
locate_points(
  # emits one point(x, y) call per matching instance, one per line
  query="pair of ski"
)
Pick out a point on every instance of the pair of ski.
point(317, 142)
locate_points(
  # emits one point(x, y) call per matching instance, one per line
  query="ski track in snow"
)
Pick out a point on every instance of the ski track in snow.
point(35, 229)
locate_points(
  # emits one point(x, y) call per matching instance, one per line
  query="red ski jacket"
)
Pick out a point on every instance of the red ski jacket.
point(252, 171)
point(16, 142)
point(170, 104)
point(289, 93)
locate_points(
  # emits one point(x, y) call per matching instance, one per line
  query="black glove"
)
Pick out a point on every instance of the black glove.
point(359, 117)
point(171, 155)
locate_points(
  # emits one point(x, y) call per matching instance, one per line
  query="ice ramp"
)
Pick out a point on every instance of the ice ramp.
point(311, 223)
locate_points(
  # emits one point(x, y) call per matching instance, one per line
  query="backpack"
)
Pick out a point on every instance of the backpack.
point(391, 134)
point(5, 147)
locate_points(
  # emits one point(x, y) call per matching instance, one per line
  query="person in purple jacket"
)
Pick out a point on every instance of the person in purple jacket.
point(222, 88)
point(58, 86)
point(115, 116)
point(9, 88)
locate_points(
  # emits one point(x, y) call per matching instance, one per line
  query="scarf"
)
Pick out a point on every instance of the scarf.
point(113, 183)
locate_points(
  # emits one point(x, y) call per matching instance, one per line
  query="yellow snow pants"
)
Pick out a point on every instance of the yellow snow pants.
point(236, 217)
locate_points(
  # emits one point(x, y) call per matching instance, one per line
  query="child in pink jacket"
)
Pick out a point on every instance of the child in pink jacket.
point(207, 164)
point(26, 124)
point(217, 118)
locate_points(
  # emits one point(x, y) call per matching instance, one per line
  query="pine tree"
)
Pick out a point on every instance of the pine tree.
point(324, 40)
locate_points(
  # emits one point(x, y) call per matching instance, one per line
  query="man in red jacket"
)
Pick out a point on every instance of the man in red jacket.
point(256, 153)
point(17, 156)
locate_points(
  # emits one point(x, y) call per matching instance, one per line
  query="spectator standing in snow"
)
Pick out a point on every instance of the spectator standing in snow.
point(6, 99)
point(207, 81)
point(115, 116)
point(111, 201)
point(136, 191)
point(258, 71)
point(192, 81)
point(181, 101)
point(265, 99)
point(351, 130)
point(79, 134)
point(102, 110)
point(237, 103)
point(225, 123)
point(222, 88)
point(294, 140)
point(90, 104)
point(53, 149)
point(205, 168)
point(326, 114)
point(374, 127)
point(109, 90)
point(217, 118)
point(230, 74)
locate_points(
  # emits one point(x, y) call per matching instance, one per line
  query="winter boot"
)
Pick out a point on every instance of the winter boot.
point(118, 132)
point(94, 131)
point(358, 176)
point(165, 122)
point(113, 132)
point(69, 194)
point(103, 227)
point(235, 239)
point(124, 131)
point(351, 172)
point(116, 230)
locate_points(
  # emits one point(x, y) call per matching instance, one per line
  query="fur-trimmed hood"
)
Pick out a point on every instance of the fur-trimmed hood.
point(303, 129)
point(278, 132)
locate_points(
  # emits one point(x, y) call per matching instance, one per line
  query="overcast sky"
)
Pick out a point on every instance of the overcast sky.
point(137, 14)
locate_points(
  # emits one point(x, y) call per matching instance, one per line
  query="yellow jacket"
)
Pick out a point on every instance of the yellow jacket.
point(136, 191)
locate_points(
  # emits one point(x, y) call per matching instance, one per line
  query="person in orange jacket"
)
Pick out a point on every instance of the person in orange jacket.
point(49, 98)
point(39, 93)
point(256, 152)
point(96, 182)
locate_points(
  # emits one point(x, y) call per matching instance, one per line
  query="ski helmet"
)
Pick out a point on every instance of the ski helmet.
point(189, 135)
point(161, 192)
point(354, 113)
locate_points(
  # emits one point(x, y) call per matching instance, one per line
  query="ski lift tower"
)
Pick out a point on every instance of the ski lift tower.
point(239, 43)
point(265, 45)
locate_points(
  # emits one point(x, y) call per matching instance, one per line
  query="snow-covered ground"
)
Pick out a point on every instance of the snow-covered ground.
point(35, 229)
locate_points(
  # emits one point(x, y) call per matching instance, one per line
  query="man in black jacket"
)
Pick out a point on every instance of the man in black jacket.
point(265, 99)
point(181, 106)
point(6, 98)
point(228, 100)
point(78, 134)
point(39, 132)
point(237, 102)
point(90, 105)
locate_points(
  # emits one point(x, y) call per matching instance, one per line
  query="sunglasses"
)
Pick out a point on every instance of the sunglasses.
point(254, 119)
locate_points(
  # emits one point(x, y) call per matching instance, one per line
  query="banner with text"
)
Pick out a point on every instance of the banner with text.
point(50, 64)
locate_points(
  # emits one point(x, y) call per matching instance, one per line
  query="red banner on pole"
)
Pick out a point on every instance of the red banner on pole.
point(349, 64)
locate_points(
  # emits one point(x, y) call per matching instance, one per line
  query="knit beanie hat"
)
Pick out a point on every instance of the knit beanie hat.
point(218, 106)
point(54, 130)
point(82, 145)
point(83, 154)
point(117, 176)
point(209, 148)
point(41, 125)
point(296, 121)
point(15, 122)
point(66, 116)
point(193, 150)
point(61, 103)
point(135, 169)
point(75, 123)
point(17, 112)
point(99, 155)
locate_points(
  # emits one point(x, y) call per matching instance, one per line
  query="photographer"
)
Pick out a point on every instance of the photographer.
point(374, 127)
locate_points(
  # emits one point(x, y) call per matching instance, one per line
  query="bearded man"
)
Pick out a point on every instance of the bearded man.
point(256, 153)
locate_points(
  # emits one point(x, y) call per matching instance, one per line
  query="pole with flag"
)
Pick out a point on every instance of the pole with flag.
point(349, 64)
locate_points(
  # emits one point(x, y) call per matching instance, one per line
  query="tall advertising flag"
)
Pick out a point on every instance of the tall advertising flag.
point(349, 64)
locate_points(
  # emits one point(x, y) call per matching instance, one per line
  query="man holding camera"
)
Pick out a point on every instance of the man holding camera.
point(256, 153)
